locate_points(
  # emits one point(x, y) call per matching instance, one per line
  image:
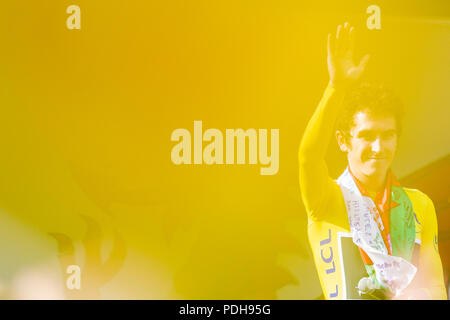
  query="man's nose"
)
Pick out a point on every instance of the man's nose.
point(376, 145)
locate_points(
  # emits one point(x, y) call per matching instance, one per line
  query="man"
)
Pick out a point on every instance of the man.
point(393, 230)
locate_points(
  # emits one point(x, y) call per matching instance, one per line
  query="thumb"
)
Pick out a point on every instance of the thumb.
point(362, 65)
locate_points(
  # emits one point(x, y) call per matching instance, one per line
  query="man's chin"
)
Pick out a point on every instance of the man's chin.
point(375, 169)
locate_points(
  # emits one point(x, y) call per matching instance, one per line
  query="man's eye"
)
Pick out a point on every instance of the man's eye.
point(368, 136)
point(388, 135)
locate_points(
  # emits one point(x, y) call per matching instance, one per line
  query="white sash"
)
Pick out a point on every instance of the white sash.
point(392, 272)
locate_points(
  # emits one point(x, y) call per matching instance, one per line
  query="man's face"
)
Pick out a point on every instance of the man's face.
point(372, 144)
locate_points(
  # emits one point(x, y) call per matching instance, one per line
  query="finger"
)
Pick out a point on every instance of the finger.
point(351, 39)
point(345, 37)
point(330, 45)
point(338, 46)
point(362, 65)
point(339, 32)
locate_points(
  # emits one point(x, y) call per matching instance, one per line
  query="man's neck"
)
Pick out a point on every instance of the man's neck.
point(373, 184)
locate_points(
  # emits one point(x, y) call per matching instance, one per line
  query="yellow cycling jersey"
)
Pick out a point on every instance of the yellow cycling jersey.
point(337, 259)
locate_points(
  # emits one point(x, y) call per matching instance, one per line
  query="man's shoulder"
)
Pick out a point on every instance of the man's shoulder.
point(419, 199)
point(417, 194)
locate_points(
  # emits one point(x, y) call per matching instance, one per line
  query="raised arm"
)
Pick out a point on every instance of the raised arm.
point(314, 179)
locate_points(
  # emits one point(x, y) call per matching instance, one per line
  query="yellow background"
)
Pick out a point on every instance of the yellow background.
point(86, 117)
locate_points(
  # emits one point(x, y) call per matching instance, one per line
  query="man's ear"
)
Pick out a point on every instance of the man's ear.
point(340, 137)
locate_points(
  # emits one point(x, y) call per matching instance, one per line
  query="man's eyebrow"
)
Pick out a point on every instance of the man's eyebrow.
point(365, 131)
point(371, 131)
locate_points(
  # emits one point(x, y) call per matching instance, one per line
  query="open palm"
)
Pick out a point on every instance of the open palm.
point(341, 65)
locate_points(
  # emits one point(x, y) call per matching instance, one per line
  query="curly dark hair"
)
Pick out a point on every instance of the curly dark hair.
point(375, 99)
